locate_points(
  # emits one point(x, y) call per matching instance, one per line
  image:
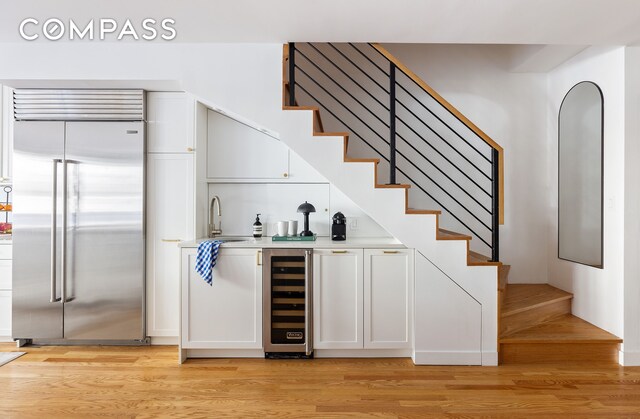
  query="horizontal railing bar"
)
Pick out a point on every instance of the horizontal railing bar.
point(438, 101)
point(444, 123)
point(447, 176)
point(400, 170)
point(445, 208)
point(341, 121)
point(442, 138)
point(341, 87)
point(358, 67)
point(350, 78)
point(444, 157)
point(383, 139)
point(338, 100)
point(387, 125)
point(369, 59)
point(446, 192)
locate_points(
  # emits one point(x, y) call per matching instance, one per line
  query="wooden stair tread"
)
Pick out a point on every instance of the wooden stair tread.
point(450, 235)
point(421, 211)
point(565, 329)
point(392, 185)
point(330, 134)
point(478, 259)
point(523, 297)
point(359, 160)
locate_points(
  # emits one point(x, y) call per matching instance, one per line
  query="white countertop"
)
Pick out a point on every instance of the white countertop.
point(320, 243)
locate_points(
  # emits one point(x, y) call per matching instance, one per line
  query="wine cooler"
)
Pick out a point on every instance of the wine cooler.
point(287, 299)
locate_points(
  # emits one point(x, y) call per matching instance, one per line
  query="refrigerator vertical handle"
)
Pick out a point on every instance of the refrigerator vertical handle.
point(308, 302)
point(54, 227)
point(63, 244)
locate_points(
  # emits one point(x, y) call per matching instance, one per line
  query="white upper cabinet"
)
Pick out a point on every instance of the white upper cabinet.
point(6, 132)
point(170, 122)
point(238, 151)
point(337, 299)
point(388, 298)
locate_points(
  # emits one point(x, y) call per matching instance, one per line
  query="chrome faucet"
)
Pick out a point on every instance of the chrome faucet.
point(213, 231)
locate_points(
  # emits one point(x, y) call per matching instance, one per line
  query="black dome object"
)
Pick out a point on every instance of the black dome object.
point(306, 208)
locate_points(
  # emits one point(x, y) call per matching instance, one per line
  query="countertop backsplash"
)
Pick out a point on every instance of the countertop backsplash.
point(240, 202)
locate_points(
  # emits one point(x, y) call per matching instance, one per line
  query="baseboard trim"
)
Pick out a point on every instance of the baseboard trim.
point(5, 339)
point(629, 359)
point(165, 340)
point(362, 353)
point(447, 358)
point(224, 353)
point(490, 359)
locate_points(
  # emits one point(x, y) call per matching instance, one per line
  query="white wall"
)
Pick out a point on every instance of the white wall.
point(510, 108)
point(598, 293)
point(631, 346)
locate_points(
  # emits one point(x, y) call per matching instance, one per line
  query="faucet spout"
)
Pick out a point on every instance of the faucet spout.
point(213, 230)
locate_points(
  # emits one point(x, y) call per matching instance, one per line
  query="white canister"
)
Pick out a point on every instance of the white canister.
point(283, 227)
point(293, 228)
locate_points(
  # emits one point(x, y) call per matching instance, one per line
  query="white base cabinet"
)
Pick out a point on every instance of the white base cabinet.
point(337, 299)
point(388, 298)
point(228, 313)
point(363, 299)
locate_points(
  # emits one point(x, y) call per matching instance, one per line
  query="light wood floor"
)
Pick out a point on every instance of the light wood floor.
point(81, 382)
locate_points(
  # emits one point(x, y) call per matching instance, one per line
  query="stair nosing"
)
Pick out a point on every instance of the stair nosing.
point(534, 306)
point(510, 340)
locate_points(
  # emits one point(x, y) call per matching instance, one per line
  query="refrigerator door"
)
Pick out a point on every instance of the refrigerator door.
point(104, 278)
point(37, 154)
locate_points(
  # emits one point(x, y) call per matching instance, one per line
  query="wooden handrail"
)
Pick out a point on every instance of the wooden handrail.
point(442, 101)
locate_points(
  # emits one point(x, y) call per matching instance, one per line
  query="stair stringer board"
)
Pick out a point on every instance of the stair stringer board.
point(387, 207)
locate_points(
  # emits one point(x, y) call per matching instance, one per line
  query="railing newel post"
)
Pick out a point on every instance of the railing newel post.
point(495, 206)
point(292, 74)
point(392, 123)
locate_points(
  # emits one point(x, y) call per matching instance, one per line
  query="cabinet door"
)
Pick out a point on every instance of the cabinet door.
point(5, 274)
point(6, 133)
point(238, 151)
point(337, 299)
point(388, 298)
point(5, 315)
point(170, 122)
point(170, 219)
point(228, 313)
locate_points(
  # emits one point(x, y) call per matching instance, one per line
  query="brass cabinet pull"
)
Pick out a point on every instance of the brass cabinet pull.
point(286, 175)
point(171, 240)
point(189, 149)
point(390, 252)
point(259, 258)
point(339, 251)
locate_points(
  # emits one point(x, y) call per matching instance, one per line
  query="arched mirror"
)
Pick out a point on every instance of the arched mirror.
point(580, 175)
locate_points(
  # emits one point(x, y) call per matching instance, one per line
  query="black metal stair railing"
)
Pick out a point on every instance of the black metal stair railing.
point(453, 166)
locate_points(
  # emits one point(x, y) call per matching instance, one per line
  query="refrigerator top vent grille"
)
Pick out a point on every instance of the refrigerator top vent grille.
point(78, 105)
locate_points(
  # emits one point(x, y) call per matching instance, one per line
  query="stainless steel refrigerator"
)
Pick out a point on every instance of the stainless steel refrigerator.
point(78, 236)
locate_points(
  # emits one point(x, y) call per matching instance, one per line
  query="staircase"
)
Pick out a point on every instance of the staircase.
point(467, 313)
point(536, 326)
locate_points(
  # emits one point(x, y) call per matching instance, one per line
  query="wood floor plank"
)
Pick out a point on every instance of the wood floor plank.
point(147, 382)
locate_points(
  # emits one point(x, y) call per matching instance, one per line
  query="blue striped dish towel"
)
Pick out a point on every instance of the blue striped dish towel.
point(207, 258)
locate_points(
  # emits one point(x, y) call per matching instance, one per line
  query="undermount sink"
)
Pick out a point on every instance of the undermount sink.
point(223, 240)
